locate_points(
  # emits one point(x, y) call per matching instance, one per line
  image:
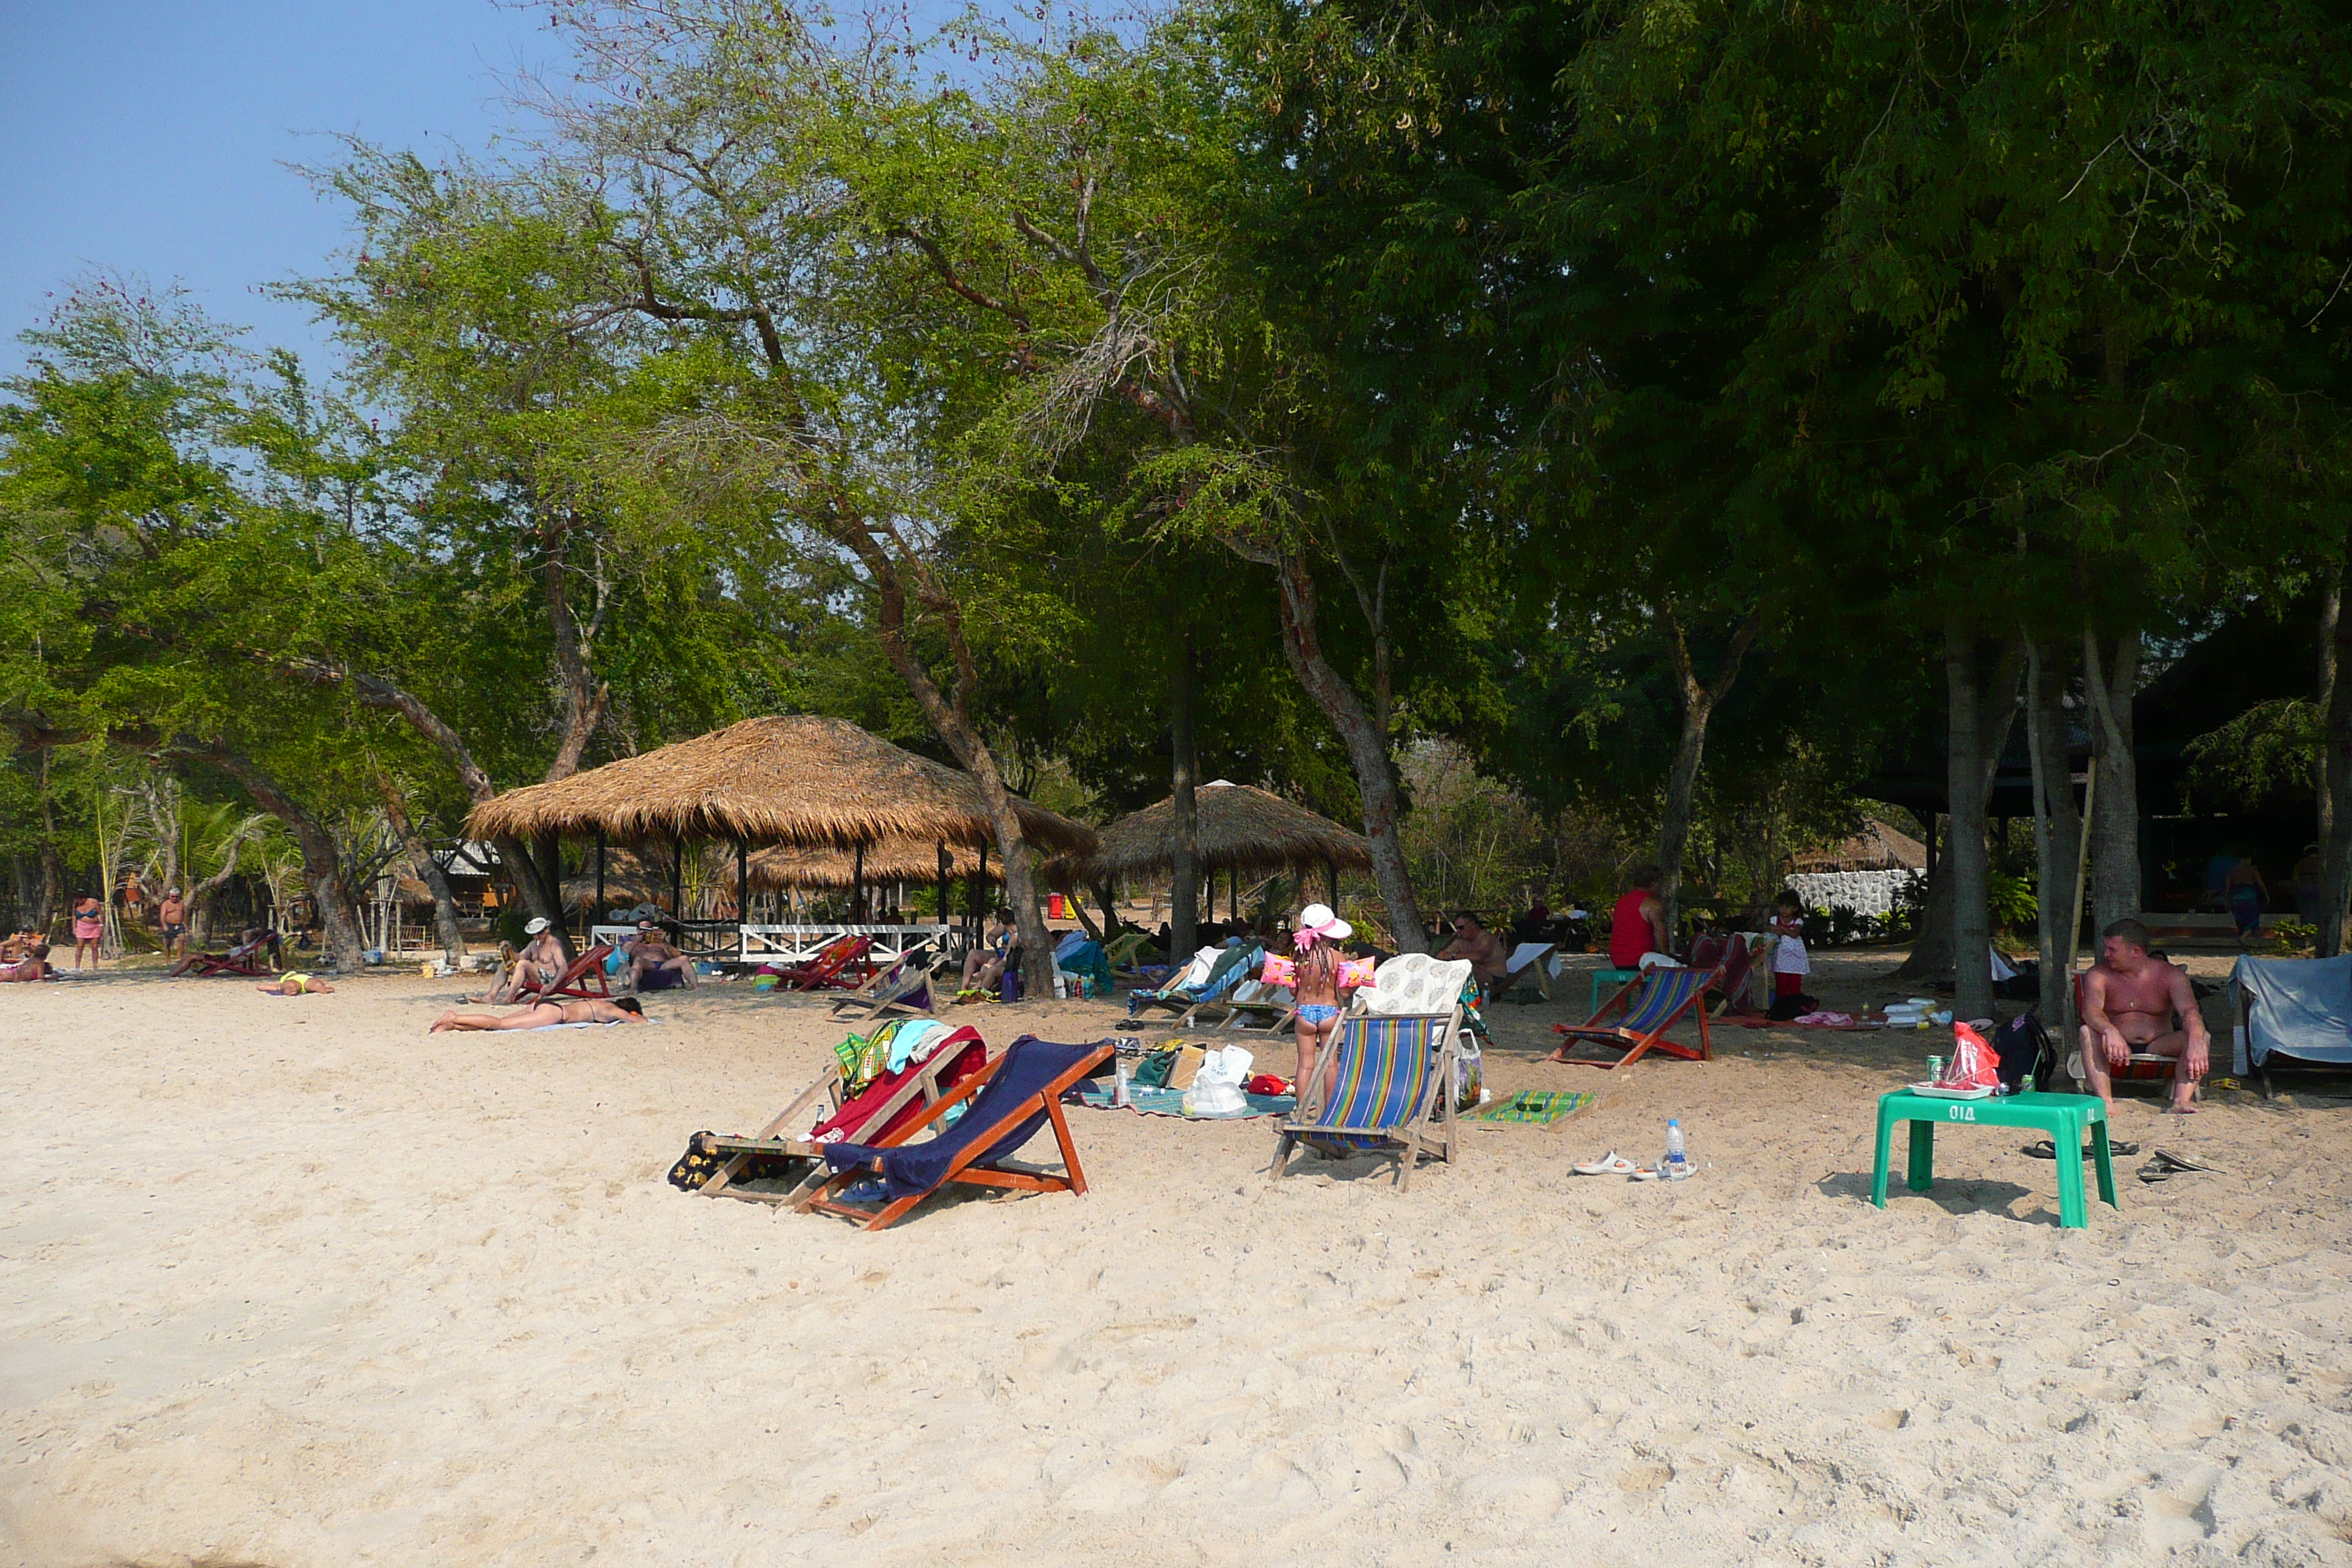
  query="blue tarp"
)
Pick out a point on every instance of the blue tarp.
point(2302, 1006)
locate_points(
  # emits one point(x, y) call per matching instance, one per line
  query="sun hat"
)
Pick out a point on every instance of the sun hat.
point(536, 924)
point(1317, 924)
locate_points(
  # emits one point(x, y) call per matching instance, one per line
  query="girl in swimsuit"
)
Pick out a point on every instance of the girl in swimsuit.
point(1317, 990)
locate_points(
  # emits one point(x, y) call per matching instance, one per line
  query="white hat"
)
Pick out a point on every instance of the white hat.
point(536, 924)
point(1317, 921)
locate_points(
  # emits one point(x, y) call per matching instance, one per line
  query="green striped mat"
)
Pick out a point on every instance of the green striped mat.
point(1534, 1107)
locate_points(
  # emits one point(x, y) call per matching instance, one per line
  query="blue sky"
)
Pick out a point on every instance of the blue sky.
point(152, 138)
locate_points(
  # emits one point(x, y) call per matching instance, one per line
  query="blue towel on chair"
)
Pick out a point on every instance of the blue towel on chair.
point(913, 1169)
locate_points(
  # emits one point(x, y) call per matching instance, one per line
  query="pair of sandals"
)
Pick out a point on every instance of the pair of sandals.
point(2166, 1164)
point(2046, 1150)
point(1612, 1163)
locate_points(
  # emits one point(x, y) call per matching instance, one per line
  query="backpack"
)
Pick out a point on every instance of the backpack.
point(2026, 1053)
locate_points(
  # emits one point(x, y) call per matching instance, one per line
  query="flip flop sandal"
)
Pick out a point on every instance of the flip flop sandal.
point(2181, 1165)
point(1645, 1173)
point(2043, 1149)
point(1612, 1163)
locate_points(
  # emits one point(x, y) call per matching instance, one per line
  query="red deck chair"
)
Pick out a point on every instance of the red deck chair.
point(584, 977)
point(828, 968)
point(1665, 995)
point(243, 960)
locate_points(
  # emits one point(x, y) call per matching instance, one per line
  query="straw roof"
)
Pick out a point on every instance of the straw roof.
point(806, 782)
point(1877, 848)
point(893, 860)
point(1241, 827)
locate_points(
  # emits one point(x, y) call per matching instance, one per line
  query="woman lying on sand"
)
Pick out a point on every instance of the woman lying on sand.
point(34, 965)
point(295, 985)
point(545, 1014)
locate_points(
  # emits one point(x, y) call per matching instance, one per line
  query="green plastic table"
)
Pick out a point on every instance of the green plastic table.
point(2066, 1118)
point(1610, 979)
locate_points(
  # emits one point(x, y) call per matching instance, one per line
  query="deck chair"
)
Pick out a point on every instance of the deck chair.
point(1213, 972)
point(1735, 955)
point(1388, 1076)
point(2293, 1016)
point(1654, 1004)
point(1120, 952)
point(828, 966)
point(872, 1114)
point(903, 990)
point(247, 959)
point(1006, 1102)
point(1530, 963)
point(1257, 1008)
point(585, 975)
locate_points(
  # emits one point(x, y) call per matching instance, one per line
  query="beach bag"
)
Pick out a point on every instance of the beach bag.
point(1469, 1074)
point(1217, 1088)
point(2026, 1056)
point(1974, 1063)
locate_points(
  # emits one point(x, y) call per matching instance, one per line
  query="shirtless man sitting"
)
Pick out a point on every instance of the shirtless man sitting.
point(1489, 960)
point(544, 1015)
point(2129, 1000)
point(538, 966)
point(653, 963)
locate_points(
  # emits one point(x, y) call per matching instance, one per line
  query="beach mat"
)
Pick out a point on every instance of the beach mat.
point(1534, 1108)
point(1171, 1103)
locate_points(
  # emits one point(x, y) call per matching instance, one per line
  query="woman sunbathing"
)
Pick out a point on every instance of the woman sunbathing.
point(34, 965)
point(295, 985)
point(546, 1015)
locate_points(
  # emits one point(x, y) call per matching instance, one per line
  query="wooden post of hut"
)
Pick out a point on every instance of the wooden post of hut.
point(677, 881)
point(598, 913)
point(743, 890)
point(1331, 883)
point(857, 885)
point(943, 882)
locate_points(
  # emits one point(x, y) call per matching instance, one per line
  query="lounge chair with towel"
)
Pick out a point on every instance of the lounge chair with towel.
point(893, 1099)
point(827, 969)
point(1384, 1078)
point(1006, 1102)
point(2292, 1012)
point(248, 959)
point(1213, 972)
point(902, 990)
point(1654, 1002)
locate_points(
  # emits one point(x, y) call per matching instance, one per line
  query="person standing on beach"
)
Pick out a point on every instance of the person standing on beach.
point(171, 914)
point(1790, 962)
point(89, 925)
point(1315, 989)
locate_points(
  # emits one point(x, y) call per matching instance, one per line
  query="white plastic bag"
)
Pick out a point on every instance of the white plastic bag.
point(1217, 1089)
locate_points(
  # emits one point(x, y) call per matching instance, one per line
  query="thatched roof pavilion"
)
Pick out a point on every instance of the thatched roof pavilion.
point(803, 782)
point(1241, 828)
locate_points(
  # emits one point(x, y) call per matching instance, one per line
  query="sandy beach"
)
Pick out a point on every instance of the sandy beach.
point(292, 1283)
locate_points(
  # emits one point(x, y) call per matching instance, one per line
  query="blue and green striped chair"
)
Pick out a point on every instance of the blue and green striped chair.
point(1654, 1004)
point(1389, 1077)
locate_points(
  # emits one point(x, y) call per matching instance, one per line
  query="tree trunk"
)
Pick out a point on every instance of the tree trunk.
point(323, 870)
point(2112, 683)
point(2335, 766)
point(1368, 750)
point(1696, 700)
point(204, 895)
point(428, 870)
point(1185, 906)
point(1964, 758)
point(2057, 830)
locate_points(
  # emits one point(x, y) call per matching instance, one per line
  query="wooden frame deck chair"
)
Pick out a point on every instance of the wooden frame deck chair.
point(1388, 1077)
point(871, 1114)
point(1733, 956)
point(891, 993)
point(827, 965)
point(1213, 972)
point(1005, 1103)
point(1654, 1004)
point(1530, 963)
point(1257, 1008)
point(1224, 991)
point(581, 973)
point(1120, 951)
point(242, 960)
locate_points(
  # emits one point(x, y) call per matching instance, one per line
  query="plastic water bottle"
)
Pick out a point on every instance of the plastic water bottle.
point(1677, 1164)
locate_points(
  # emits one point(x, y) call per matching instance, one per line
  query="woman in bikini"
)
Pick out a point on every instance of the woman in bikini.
point(546, 1014)
point(1316, 990)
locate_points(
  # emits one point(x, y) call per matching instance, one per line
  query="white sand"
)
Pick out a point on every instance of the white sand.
point(293, 1283)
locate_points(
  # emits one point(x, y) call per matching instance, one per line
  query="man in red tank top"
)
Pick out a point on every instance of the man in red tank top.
point(1639, 923)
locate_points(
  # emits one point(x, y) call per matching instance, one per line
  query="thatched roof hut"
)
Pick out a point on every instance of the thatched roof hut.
point(1241, 827)
point(803, 782)
point(1877, 848)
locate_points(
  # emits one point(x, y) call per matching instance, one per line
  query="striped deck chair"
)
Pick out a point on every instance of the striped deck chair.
point(1664, 995)
point(1387, 1077)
